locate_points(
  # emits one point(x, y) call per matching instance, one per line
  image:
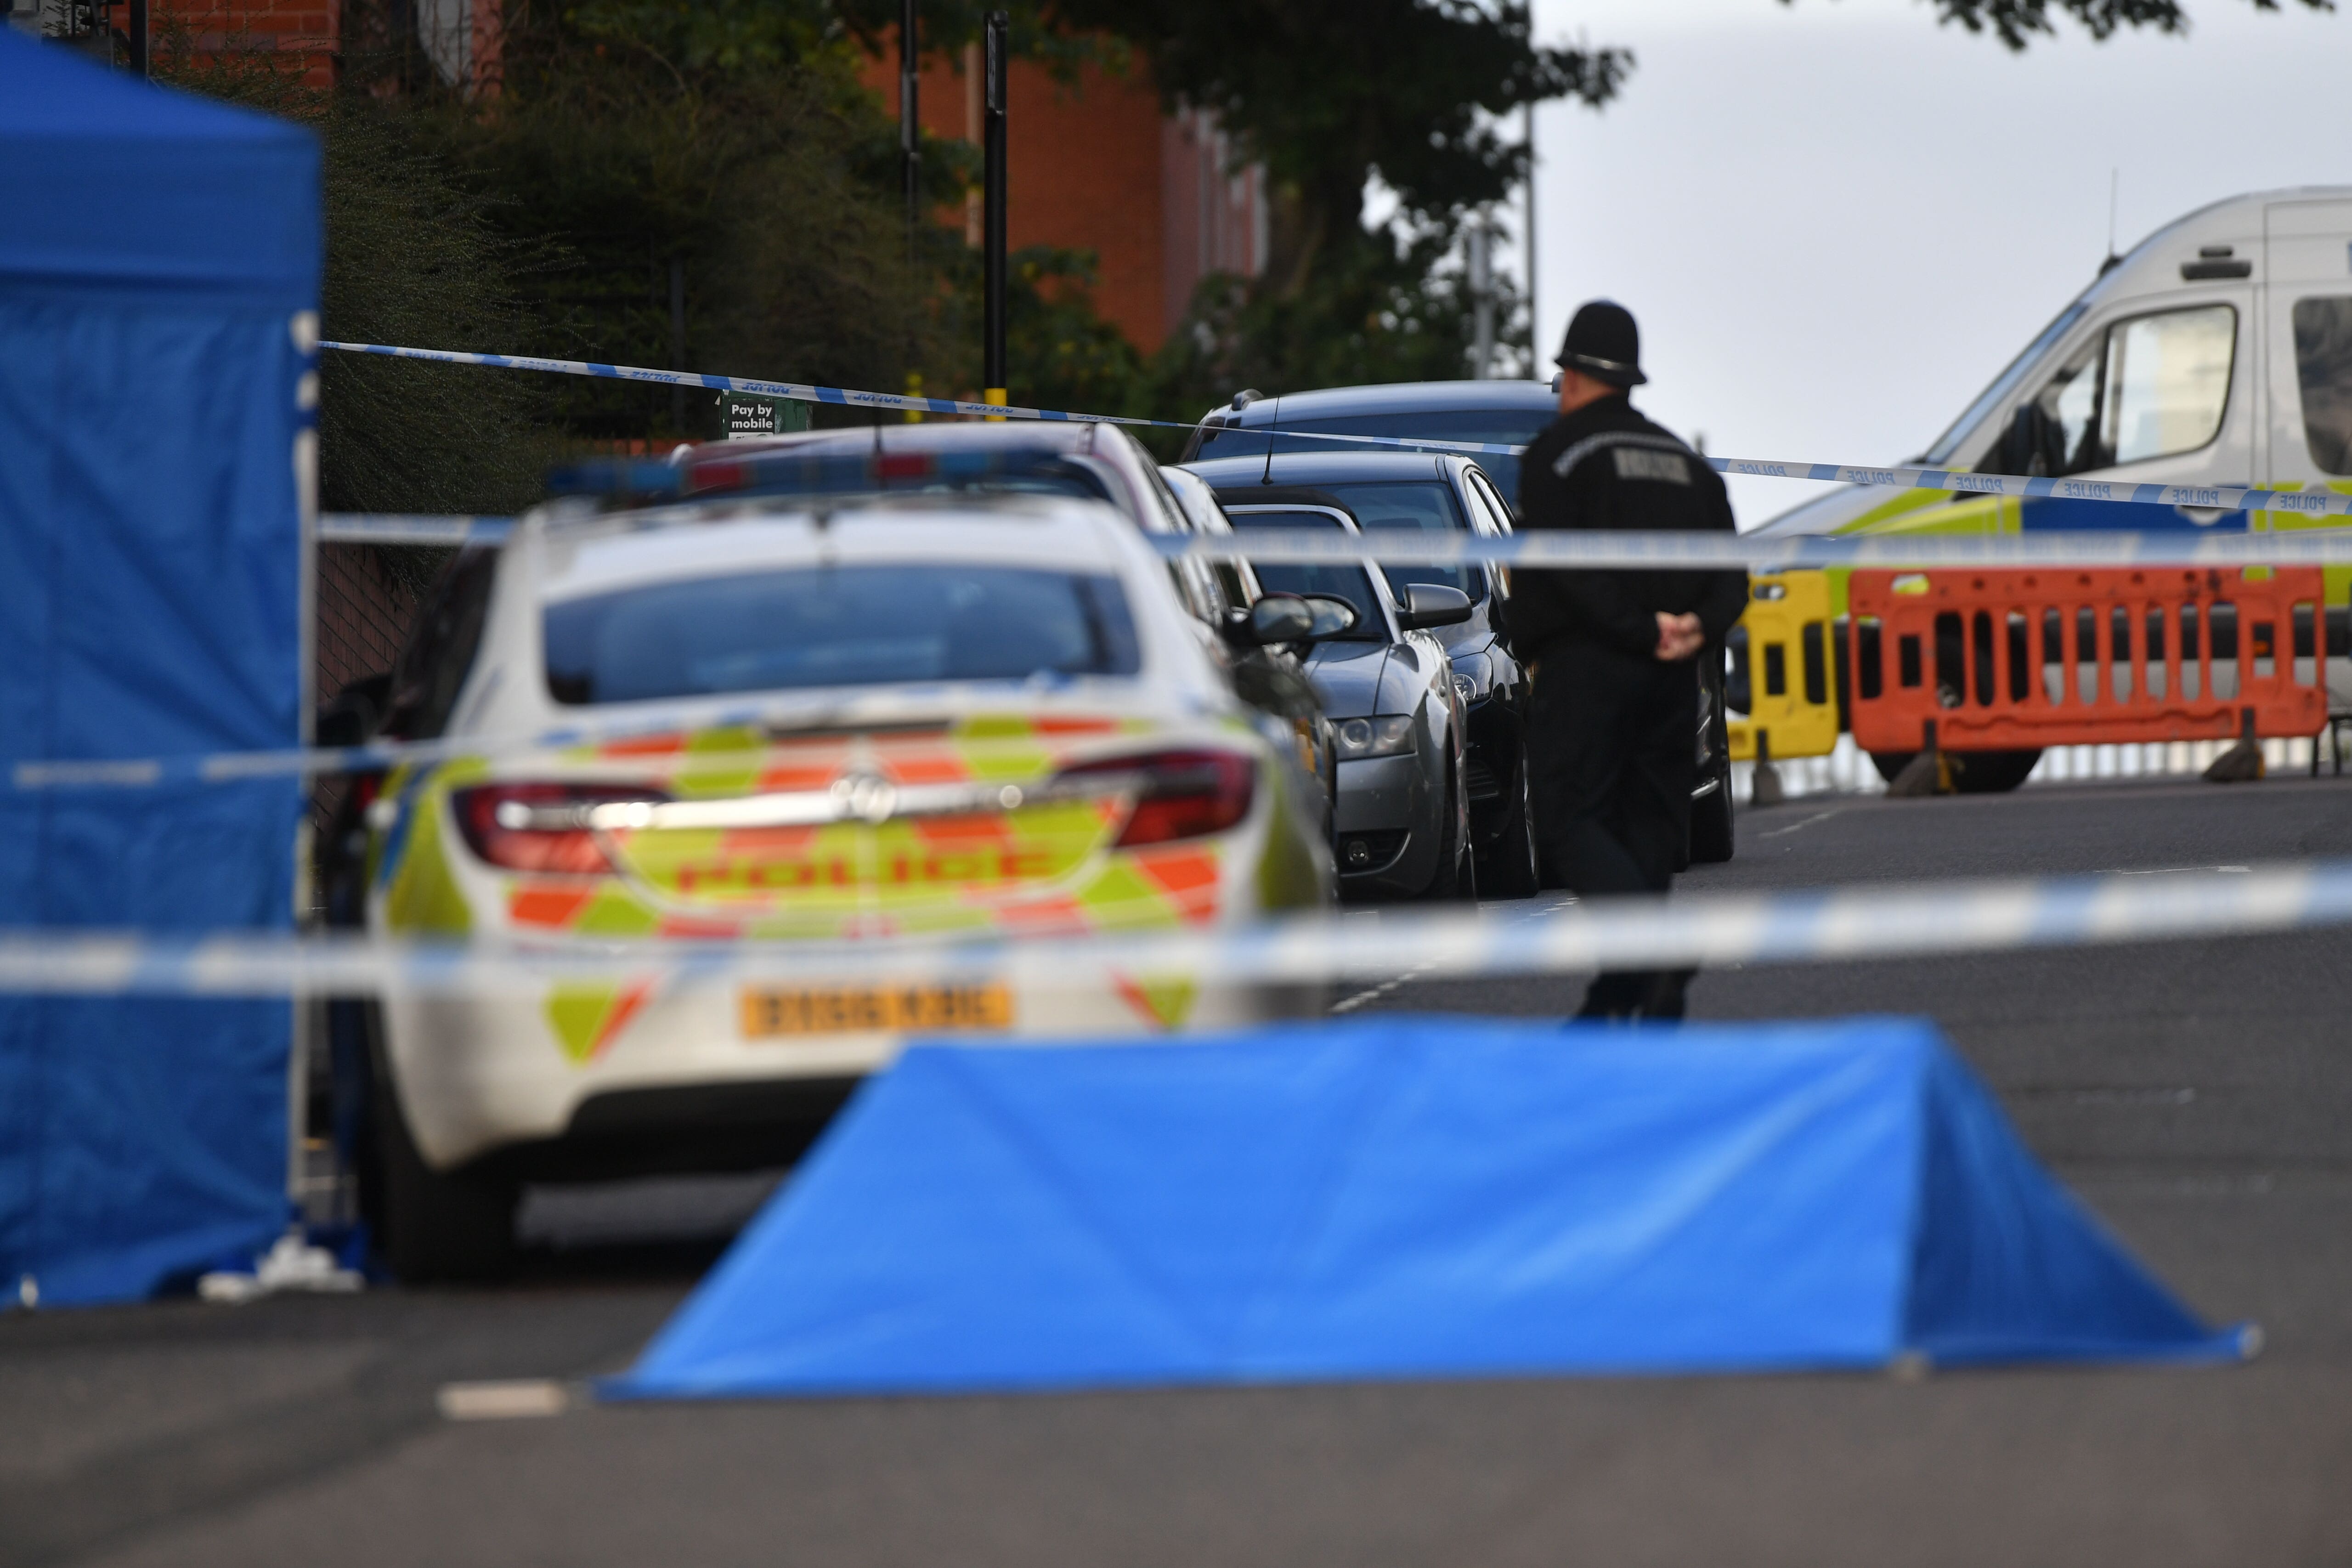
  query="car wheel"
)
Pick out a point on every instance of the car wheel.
point(1710, 827)
point(1991, 772)
point(1456, 876)
point(1972, 773)
point(429, 1225)
point(1509, 869)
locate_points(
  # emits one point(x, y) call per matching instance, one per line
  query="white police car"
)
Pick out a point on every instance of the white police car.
point(985, 715)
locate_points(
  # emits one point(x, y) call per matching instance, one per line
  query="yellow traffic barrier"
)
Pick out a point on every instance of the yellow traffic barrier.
point(1792, 675)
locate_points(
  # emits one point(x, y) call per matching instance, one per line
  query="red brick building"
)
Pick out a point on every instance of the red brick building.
point(1096, 164)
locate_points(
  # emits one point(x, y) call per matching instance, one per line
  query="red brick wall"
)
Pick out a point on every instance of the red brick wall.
point(310, 29)
point(363, 616)
point(1084, 171)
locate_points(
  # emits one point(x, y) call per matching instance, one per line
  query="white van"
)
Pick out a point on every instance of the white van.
point(2218, 353)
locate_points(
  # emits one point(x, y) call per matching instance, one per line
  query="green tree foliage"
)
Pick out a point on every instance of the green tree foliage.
point(2015, 22)
point(1387, 309)
point(725, 150)
point(727, 145)
point(1329, 93)
point(1064, 353)
point(411, 257)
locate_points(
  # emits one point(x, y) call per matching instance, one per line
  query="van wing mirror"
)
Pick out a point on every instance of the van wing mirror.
point(2029, 446)
point(1429, 605)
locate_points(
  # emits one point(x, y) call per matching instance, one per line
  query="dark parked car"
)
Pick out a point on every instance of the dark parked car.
point(1509, 413)
point(1505, 413)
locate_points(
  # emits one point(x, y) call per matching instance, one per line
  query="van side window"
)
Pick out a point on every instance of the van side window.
point(2167, 383)
point(2070, 404)
point(2152, 387)
point(2323, 364)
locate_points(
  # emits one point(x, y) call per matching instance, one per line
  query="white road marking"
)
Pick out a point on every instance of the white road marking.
point(1374, 992)
point(1818, 816)
point(2170, 870)
point(514, 1399)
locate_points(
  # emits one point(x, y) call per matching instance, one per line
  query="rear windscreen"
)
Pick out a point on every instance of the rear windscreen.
point(1337, 581)
point(1427, 505)
point(1505, 427)
point(836, 626)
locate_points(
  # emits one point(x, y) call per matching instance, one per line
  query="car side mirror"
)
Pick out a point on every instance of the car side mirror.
point(1275, 618)
point(1428, 605)
point(1292, 617)
point(354, 715)
point(1333, 617)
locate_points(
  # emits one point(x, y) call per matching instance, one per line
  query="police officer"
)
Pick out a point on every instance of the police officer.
point(1612, 730)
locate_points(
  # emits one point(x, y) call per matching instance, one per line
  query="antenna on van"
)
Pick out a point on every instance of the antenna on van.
point(2115, 185)
point(1274, 421)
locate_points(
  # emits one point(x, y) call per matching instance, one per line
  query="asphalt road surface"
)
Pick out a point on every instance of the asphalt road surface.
point(2199, 1095)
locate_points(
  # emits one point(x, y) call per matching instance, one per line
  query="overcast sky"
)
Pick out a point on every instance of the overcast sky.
point(1837, 221)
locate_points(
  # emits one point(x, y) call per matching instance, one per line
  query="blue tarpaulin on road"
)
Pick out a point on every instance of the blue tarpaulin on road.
point(1413, 1198)
point(159, 281)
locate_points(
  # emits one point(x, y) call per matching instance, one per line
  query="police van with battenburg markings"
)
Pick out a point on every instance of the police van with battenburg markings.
point(2218, 353)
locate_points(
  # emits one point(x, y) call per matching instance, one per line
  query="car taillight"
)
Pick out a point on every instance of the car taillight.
point(1181, 794)
point(539, 827)
point(703, 478)
point(904, 465)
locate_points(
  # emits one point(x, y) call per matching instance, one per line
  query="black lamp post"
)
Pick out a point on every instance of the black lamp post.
point(992, 216)
point(911, 130)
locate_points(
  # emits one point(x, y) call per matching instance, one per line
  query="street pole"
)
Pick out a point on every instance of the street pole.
point(993, 223)
point(138, 35)
point(1535, 353)
point(1482, 298)
point(910, 132)
point(678, 342)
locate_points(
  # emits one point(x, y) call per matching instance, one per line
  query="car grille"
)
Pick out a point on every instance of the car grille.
point(1479, 780)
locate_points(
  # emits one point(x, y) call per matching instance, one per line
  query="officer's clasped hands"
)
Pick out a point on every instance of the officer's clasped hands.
point(1679, 636)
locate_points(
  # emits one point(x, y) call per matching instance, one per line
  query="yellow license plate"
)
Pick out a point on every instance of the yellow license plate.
point(834, 1010)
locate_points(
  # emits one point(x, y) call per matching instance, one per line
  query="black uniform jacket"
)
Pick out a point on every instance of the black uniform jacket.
point(1604, 467)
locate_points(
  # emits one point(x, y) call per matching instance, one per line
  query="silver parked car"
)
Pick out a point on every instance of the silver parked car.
point(1388, 688)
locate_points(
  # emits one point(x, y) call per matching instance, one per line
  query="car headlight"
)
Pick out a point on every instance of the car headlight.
point(1389, 736)
point(1472, 678)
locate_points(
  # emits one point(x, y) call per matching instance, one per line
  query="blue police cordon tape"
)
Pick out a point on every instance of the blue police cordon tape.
point(638, 721)
point(2223, 498)
point(1397, 546)
point(412, 528)
point(1560, 548)
point(1554, 548)
point(792, 391)
point(1707, 929)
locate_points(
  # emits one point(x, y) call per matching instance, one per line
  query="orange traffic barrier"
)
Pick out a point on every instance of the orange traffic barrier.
point(2000, 661)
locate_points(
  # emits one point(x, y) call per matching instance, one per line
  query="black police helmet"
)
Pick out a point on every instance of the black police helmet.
point(1603, 343)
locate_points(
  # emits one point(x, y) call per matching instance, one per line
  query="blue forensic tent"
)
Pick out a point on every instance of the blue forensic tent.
point(158, 284)
point(1413, 1198)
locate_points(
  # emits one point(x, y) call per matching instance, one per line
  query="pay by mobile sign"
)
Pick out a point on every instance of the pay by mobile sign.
point(748, 417)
